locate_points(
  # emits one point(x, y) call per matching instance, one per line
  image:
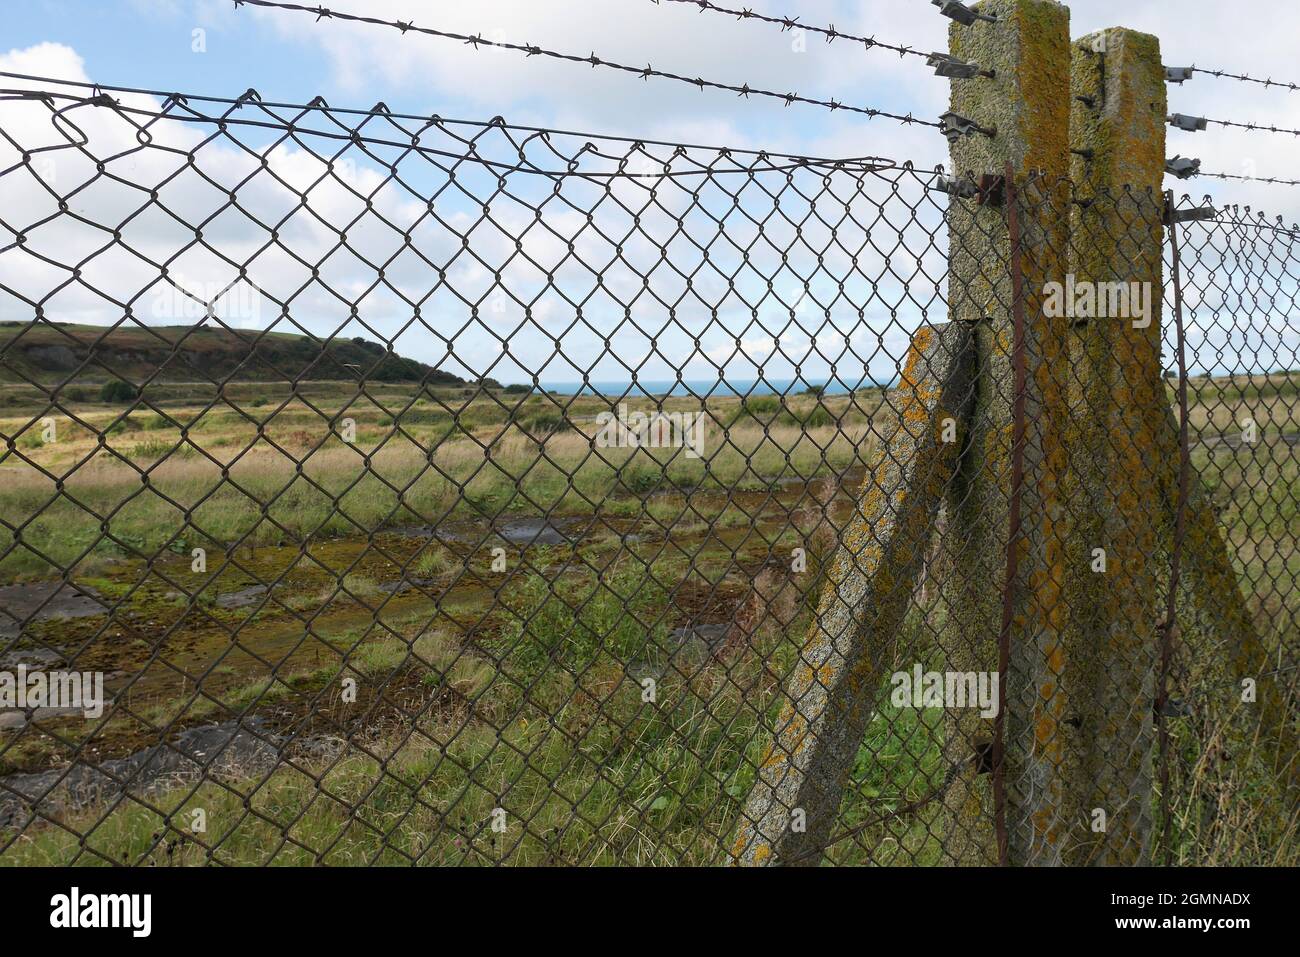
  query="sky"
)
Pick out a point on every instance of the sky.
point(210, 47)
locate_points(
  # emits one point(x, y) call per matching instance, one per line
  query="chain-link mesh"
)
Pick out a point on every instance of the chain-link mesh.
point(458, 493)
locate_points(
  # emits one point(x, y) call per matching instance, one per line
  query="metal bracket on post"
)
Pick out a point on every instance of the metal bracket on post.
point(1178, 74)
point(1195, 215)
point(990, 190)
point(955, 68)
point(955, 126)
point(961, 13)
point(1183, 167)
point(1192, 124)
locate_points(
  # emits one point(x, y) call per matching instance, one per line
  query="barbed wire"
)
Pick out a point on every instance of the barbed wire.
point(1271, 180)
point(1254, 127)
point(1246, 78)
point(646, 72)
point(792, 23)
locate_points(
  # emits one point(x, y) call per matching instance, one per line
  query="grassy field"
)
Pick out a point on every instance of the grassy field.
point(483, 692)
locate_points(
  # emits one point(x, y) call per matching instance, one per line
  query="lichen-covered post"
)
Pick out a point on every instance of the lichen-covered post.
point(1022, 113)
point(1117, 134)
point(851, 645)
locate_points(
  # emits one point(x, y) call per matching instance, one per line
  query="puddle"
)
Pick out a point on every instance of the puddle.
point(524, 532)
point(406, 584)
point(708, 634)
point(17, 720)
point(32, 658)
point(242, 599)
point(536, 531)
point(19, 604)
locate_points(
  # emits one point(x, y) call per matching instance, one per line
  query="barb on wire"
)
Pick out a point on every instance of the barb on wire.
point(1195, 124)
point(792, 23)
point(646, 72)
point(1246, 78)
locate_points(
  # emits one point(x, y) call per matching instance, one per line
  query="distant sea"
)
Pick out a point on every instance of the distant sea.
point(715, 387)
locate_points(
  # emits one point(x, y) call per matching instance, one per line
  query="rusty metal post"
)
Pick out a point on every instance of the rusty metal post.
point(1117, 135)
point(1019, 128)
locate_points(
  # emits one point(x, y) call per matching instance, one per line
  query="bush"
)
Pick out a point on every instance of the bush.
point(761, 406)
point(118, 391)
point(545, 423)
point(518, 388)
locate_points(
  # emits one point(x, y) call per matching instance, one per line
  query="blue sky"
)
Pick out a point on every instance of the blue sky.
point(207, 46)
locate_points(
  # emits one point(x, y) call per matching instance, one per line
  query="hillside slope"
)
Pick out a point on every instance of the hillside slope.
point(53, 352)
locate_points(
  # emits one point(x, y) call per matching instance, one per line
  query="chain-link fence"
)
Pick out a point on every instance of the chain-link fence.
point(387, 489)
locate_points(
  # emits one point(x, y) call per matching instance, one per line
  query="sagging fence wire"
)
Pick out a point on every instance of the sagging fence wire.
point(440, 492)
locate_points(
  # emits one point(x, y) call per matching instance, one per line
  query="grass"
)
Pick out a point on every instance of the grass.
point(548, 725)
point(529, 698)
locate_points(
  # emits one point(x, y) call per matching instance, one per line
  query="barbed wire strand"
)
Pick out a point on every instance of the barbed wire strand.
point(830, 32)
point(1271, 180)
point(1253, 127)
point(1246, 78)
point(645, 73)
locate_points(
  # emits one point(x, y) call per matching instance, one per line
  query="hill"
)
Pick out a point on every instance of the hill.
point(51, 352)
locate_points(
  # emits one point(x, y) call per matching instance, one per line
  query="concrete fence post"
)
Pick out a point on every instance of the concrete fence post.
point(851, 646)
point(1023, 115)
point(1117, 135)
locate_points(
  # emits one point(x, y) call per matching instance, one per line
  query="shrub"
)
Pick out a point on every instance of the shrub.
point(118, 391)
point(545, 423)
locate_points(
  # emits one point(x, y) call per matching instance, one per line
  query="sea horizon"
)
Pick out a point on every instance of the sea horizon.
point(711, 387)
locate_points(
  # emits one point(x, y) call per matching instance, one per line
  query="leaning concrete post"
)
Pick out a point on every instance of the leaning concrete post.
point(1117, 133)
point(1211, 607)
point(851, 645)
point(1019, 119)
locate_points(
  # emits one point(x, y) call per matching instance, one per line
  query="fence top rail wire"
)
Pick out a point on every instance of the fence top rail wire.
point(251, 99)
point(864, 165)
point(645, 72)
